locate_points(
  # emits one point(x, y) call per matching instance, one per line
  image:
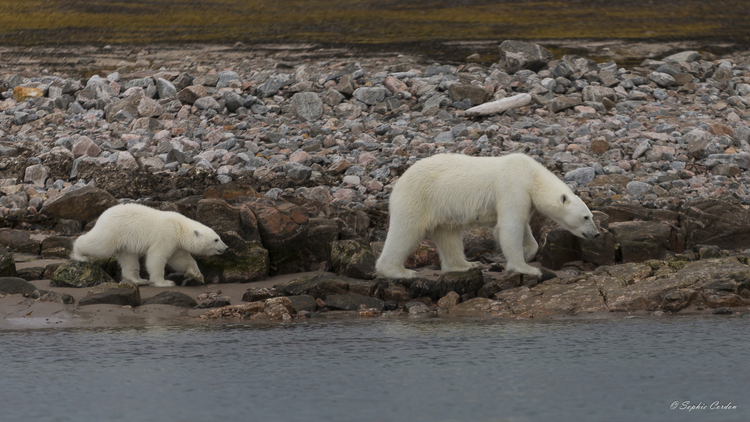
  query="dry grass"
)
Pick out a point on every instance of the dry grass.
point(29, 22)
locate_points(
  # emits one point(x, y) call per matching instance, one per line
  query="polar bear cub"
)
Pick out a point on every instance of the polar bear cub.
point(441, 195)
point(130, 231)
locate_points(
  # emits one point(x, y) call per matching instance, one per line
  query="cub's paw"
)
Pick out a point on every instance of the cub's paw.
point(163, 283)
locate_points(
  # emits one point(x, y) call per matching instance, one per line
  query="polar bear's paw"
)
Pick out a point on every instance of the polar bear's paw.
point(195, 275)
point(397, 273)
point(163, 283)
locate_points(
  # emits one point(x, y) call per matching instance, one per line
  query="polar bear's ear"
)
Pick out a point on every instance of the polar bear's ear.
point(563, 199)
point(197, 233)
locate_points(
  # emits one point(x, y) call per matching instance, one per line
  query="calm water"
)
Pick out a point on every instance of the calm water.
point(386, 370)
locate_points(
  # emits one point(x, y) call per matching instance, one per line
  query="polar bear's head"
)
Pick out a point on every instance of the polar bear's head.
point(206, 242)
point(574, 216)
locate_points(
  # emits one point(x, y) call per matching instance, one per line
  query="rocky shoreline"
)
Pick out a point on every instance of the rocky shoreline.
point(291, 158)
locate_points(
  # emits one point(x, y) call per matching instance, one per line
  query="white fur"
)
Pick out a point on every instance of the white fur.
point(440, 196)
point(130, 231)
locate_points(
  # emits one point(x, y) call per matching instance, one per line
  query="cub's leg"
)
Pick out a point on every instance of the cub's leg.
point(182, 262)
point(450, 246)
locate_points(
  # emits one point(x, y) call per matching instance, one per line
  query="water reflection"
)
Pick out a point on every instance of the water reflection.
point(381, 370)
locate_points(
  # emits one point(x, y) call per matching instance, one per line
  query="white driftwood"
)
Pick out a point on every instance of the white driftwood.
point(499, 106)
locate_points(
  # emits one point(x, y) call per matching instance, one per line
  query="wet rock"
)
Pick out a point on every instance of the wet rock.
point(463, 283)
point(122, 294)
point(178, 299)
point(54, 297)
point(352, 258)
point(16, 286)
point(352, 302)
point(550, 299)
point(79, 274)
point(303, 303)
point(417, 308)
point(449, 301)
point(85, 203)
point(255, 294)
point(474, 307)
point(279, 308)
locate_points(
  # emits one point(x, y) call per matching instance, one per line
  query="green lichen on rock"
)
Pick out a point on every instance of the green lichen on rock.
point(79, 274)
point(250, 263)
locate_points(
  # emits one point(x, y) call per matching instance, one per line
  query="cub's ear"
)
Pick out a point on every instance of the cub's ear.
point(197, 233)
point(563, 199)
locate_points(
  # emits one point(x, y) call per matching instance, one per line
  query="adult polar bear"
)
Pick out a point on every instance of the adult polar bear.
point(130, 231)
point(440, 196)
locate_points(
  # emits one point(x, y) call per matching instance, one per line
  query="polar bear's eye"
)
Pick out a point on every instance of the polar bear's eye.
point(586, 217)
point(216, 240)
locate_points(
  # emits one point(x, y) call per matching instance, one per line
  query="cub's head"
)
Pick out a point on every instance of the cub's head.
point(575, 217)
point(207, 242)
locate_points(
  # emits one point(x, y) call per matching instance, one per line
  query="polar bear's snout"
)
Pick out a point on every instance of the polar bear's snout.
point(221, 247)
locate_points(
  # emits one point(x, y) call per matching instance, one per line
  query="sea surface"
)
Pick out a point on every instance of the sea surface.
point(640, 369)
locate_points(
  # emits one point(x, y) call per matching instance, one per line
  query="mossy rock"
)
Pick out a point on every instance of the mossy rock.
point(353, 258)
point(79, 274)
point(250, 263)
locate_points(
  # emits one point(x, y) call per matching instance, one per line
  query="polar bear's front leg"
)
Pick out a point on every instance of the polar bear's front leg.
point(182, 262)
point(530, 247)
point(450, 246)
point(511, 237)
point(130, 268)
point(155, 263)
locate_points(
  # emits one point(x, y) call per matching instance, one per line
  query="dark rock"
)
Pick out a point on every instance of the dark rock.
point(517, 55)
point(353, 258)
point(112, 296)
point(416, 308)
point(352, 302)
point(599, 251)
point(422, 287)
point(283, 230)
point(15, 285)
point(19, 241)
point(303, 303)
point(86, 203)
point(79, 274)
point(54, 297)
point(390, 305)
point(255, 294)
point(643, 240)
point(562, 103)
point(57, 246)
point(29, 273)
point(243, 262)
point(477, 95)
point(723, 311)
point(216, 303)
point(506, 281)
point(7, 264)
point(466, 282)
point(178, 299)
point(560, 246)
point(722, 222)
